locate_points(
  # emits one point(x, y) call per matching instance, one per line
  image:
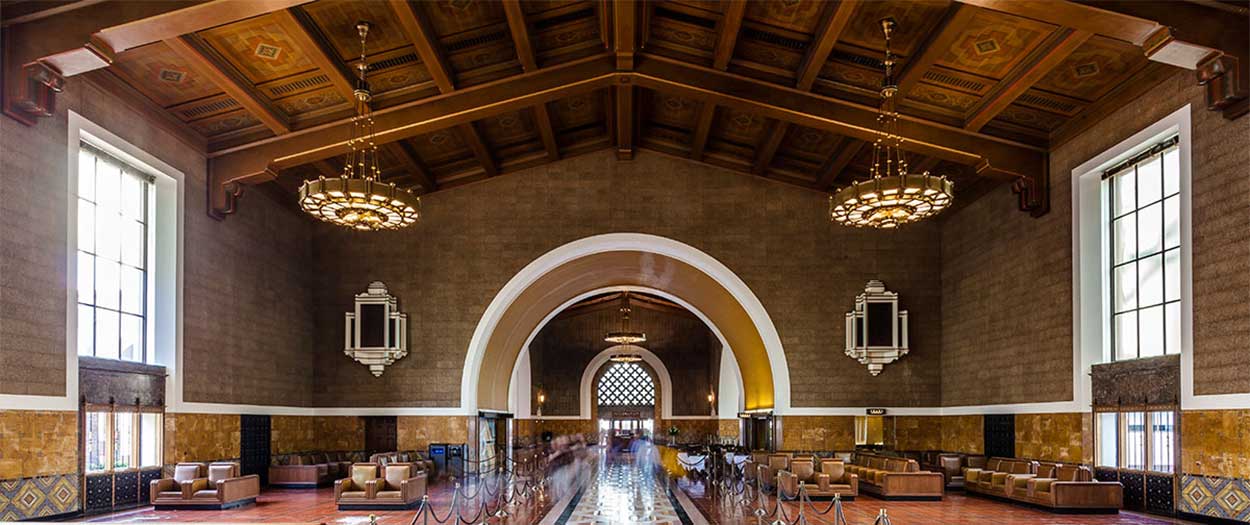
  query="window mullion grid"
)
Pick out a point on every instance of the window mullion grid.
point(1137, 255)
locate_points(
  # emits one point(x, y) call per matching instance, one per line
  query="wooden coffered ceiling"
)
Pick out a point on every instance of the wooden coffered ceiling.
point(470, 89)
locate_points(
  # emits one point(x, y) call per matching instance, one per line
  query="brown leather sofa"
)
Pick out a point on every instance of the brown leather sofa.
point(298, 471)
point(221, 487)
point(1067, 488)
point(401, 486)
point(992, 479)
point(895, 478)
point(830, 480)
point(951, 465)
point(751, 467)
point(416, 458)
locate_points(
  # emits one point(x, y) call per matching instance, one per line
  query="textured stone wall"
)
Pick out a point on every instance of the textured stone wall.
point(247, 323)
point(1216, 443)
point(201, 437)
point(817, 433)
point(776, 237)
point(1007, 278)
point(1055, 437)
point(37, 443)
point(417, 432)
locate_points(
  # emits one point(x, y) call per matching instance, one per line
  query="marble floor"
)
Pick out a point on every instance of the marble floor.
point(625, 490)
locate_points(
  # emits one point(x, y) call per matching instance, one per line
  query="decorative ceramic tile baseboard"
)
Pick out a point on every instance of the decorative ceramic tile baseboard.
point(1218, 497)
point(38, 497)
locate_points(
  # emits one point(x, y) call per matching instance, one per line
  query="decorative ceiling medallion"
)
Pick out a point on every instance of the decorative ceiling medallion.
point(743, 120)
point(438, 139)
point(460, 4)
point(268, 52)
point(1087, 69)
point(674, 103)
point(986, 47)
point(508, 121)
point(876, 330)
point(172, 76)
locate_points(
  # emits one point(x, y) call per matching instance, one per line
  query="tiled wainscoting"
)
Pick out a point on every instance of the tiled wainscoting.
point(1227, 498)
point(38, 497)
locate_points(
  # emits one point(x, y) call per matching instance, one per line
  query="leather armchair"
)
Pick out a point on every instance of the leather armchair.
point(776, 463)
point(831, 480)
point(178, 490)
point(226, 488)
point(401, 486)
point(751, 467)
point(359, 488)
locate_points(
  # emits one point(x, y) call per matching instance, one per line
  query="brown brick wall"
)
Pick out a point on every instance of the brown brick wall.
point(776, 237)
point(1007, 278)
point(247, 297)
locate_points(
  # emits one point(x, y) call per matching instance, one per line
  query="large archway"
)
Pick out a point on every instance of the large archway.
point(625, 259)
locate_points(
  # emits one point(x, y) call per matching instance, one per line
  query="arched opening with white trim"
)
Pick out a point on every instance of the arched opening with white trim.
point(582, 268)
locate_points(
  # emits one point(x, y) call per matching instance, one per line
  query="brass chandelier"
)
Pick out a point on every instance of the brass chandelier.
point(357, 198)
point(892, 195)
point(625, 336)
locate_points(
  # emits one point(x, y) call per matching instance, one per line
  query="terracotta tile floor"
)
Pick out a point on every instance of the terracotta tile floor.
point(305, 506)
point(317, 506)
point(955, 508)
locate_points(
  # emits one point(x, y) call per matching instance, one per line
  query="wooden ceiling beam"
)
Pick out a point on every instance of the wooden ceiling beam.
point(1049, 55)
point(520, 34)
point(42, 52)
point(469, 134)
point(309, 40)
point(939, 42)
point(993, 156)
point(727, 33)
point(1085, 17)
point(420, 172)
point(625, 32)
point(262, 160)
point(542, 118)
point(702, 129)
point(198, 58)
point(625, 121)
point(826, 37)
point(768, 149)
point(423, 39)
point(832, 170)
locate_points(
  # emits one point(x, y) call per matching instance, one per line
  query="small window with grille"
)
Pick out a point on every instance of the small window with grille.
point(626, 384)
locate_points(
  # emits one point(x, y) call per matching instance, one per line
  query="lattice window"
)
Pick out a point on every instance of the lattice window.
point(626, 384)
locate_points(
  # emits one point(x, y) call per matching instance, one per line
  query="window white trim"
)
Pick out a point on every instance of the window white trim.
point(165, 321)
point(1090, 299)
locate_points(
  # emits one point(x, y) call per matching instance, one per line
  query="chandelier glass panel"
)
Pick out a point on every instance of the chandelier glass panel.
point(892, 195)
point(357, 198)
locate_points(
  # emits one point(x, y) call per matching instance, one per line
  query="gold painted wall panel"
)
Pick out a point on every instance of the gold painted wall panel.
point(292, 434)
point(201, 437)
point(963, 434)
point(37, 443)
point(917, 432)
point(1053, 437)
point(729, 428)
point(340, 433)
point(1216, 443)
point(817, 432)
point(417, 432)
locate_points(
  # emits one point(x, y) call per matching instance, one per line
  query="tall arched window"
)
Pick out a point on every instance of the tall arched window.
point(626, 384)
